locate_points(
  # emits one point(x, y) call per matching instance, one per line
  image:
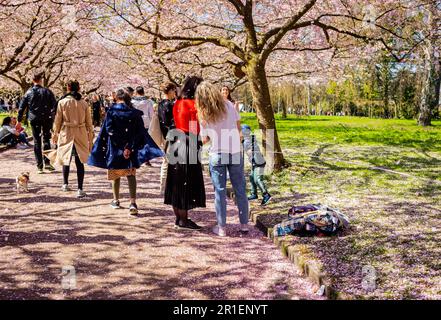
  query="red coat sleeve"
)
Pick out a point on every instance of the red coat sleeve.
point(185, 116)
point(179, 115)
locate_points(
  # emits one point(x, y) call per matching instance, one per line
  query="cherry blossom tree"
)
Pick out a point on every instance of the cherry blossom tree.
point(57, 38)
point(429, 56)
point(34, 37)
point(258, 39)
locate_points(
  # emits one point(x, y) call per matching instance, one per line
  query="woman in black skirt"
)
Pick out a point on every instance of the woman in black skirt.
point(184, 188)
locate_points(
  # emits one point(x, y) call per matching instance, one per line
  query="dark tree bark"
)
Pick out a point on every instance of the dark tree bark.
point(262, 104)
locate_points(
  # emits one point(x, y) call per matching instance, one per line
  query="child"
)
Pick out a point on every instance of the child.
point(122, 146)
point(258, 163)
point(18, 126)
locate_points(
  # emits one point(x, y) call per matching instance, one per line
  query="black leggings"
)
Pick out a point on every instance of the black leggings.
point(80, 170)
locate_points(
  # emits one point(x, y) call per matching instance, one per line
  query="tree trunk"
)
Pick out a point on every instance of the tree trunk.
point(265, 115)
point(427, 89)
point(386, 96)
point(284, 111)
point(437, 86)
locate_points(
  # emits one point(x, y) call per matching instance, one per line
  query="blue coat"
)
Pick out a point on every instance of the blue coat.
point(123, 128)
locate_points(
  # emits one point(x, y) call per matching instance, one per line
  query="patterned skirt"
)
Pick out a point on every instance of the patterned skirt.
point(113, 174)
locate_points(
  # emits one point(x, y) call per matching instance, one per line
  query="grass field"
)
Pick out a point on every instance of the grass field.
point(386, 175)
point(2, 116)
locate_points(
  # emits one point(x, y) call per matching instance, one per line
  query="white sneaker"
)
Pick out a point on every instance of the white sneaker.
point(81, 194)
point(65, 188)
point(21, 146)
point(244, 228)
point(219, 231)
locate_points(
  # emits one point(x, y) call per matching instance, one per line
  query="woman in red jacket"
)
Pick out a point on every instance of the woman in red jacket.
point(185, 183)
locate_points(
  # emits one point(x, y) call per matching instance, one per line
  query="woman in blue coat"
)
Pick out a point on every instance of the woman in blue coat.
point(122, 146)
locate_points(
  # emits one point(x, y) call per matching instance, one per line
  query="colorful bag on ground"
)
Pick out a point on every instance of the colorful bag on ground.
point(295, 210)
point(323, 219)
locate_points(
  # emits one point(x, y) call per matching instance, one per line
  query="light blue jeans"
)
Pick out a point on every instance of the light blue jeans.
point(219, 164)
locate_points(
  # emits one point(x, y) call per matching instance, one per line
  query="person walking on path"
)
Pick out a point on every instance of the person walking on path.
point(40, 104)
point(96, 110)
point(122, 145)
point(220, 125)
point(144, 104)
point(165, 115)
point(184, 188)
point(73, 133)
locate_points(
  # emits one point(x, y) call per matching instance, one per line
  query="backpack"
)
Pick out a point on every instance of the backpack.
point(312, 219)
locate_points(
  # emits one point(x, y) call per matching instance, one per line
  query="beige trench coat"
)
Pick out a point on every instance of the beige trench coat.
point(72, 126)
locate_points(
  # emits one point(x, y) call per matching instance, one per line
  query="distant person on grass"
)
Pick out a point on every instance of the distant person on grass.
point(122, 146)
point(40, 104)
point(220, 125)
point(17, 125)
point(9, 135)
point(73, 133)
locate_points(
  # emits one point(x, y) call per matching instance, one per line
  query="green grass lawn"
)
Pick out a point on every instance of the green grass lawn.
point(2, 116)
point(386, 175)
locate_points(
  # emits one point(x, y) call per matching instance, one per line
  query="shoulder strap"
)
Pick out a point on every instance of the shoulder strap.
point(253, 160)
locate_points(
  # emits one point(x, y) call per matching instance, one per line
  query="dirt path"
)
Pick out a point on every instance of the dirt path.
point(120, 257)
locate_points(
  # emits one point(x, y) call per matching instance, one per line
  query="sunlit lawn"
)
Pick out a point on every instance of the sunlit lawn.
point(386, 175)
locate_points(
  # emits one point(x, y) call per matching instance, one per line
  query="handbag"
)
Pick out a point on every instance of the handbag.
point(155, 131)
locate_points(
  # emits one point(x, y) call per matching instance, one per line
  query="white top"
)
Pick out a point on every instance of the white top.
point(224, 134)
point(146, 106)
point(12, 130)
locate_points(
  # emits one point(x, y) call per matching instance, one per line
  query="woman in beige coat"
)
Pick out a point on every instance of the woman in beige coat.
point(73, 133)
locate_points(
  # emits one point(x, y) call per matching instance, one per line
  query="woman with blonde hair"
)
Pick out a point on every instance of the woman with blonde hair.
point(220, 125)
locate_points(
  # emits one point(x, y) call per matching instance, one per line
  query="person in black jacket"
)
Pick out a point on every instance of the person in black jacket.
point(40, 106)
point(165, 115)
point(96, 111)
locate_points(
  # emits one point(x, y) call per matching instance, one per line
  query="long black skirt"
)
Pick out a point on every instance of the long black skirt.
point(184, 188)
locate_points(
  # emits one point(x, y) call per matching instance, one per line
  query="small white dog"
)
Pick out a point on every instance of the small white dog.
point(22, 182)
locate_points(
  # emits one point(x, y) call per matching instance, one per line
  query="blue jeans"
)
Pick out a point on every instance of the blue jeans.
point(22, 138)
point(219, 164)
